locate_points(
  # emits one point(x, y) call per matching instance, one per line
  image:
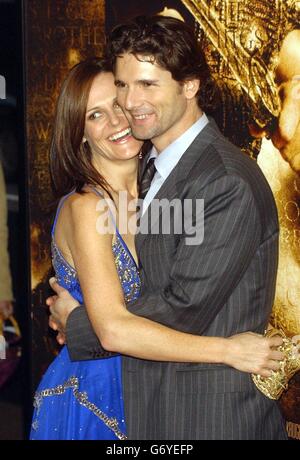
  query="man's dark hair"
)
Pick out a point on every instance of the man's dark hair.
point(170, 43)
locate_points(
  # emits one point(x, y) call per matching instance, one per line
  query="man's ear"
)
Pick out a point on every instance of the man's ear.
point(191, 88)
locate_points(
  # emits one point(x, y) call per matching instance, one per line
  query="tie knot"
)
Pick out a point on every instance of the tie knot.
point(147, 178)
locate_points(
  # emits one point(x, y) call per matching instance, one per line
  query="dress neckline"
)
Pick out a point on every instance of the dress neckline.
point(119, 237)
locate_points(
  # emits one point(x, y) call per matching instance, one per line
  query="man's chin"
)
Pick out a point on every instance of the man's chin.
point(143, 134)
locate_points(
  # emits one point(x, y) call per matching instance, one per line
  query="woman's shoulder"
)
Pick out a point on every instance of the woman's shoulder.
point(85, 206)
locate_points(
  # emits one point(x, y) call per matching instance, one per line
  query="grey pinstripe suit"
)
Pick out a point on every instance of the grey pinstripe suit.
point(223, 286)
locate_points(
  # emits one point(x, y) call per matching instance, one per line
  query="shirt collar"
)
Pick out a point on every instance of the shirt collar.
point(167, 160)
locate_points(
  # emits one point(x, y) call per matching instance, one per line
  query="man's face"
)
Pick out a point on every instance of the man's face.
point(154, 103)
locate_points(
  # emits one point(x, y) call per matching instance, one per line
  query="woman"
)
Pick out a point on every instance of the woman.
point(93, 159)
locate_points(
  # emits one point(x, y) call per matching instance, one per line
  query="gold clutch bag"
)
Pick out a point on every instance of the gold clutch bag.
point(274, 386)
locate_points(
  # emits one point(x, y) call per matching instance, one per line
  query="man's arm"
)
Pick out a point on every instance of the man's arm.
point(202, 277)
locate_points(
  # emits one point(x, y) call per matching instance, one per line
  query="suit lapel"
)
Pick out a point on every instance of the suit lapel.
point(180, 173)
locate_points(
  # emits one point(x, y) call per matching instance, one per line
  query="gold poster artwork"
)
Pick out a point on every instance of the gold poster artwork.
point(253, 49)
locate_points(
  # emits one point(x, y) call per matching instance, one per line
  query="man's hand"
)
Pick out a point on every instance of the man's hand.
point(60, 306)
point(6, 308)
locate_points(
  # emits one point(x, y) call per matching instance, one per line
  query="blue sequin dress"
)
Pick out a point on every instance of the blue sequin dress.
point(82, 400)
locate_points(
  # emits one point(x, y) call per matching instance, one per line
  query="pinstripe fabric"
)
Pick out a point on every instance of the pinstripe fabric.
point(224, 286)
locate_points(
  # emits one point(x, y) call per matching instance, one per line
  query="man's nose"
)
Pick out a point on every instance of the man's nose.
point(132, 99)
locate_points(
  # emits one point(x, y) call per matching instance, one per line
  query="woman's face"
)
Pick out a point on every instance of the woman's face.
point(106, 128)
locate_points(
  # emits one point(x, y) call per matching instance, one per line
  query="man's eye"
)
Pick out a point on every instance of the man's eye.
point(146, 84)
point(120, 84)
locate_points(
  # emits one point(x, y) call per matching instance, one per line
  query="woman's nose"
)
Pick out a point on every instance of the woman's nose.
point(115, 119)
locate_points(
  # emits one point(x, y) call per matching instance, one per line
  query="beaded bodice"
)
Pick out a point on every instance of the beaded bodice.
point(125, 265)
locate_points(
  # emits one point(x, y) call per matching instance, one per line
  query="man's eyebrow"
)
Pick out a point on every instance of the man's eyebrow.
point(141, 80)
point(147, 80)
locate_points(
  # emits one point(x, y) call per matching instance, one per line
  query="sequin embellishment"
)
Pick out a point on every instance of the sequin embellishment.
point(67, 277)
point(127, 271)
point(82, 398)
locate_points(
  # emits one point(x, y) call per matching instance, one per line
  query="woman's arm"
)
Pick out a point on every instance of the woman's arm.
point(121, 331)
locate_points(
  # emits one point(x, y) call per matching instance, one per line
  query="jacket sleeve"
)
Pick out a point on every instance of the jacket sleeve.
point(82, 342)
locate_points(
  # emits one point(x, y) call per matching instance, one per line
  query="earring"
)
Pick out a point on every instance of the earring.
point(140, 155)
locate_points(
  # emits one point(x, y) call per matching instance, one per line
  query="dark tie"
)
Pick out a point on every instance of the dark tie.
point(147, 178)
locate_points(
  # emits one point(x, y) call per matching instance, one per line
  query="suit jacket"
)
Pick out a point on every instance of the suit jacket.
point(221, 287)
point(5, 277)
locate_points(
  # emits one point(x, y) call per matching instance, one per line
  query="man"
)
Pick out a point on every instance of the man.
point(222, 285)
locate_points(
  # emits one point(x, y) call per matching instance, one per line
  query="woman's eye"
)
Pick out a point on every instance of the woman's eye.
point(95, 115)
point(117, 106)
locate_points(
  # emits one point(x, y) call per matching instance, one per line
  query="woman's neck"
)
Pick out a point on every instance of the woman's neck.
point(121, 176)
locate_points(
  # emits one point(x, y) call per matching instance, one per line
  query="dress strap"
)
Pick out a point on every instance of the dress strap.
point(96, 191)
point(61, 202)
point(112, 214)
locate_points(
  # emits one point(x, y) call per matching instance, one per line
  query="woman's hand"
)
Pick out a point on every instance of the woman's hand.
point(253, 353)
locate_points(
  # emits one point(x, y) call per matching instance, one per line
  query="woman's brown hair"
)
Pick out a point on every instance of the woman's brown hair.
point(70, 159)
